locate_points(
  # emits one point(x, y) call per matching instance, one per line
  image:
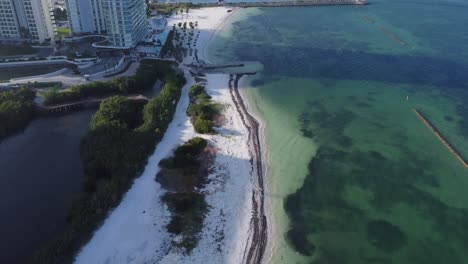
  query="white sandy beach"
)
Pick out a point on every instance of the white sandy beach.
point(135, 231)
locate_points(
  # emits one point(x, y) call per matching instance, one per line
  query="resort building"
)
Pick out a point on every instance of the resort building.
point(80, 16)
point(123, 22)
point(85, 16)
point(9, 28)
point(30, 20)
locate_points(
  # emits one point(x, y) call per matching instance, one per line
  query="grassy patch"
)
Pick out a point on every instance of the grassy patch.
point(202, 110)
point(63, 31)
point(183, 174)
point(188, 212)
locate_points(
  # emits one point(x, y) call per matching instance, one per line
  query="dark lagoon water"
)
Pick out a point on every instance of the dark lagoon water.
point(41, 174)
point(354, 176)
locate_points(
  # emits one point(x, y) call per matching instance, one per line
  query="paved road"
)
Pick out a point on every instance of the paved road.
point(45, 52)
point(132, 69)
point(106, 63)
point(66, 78)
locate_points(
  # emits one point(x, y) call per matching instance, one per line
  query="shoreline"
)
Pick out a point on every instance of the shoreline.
point(256, 246)
point(257, 243)
point(218, 28)
point(270, 244)
point(257, 240)
point(135, 231)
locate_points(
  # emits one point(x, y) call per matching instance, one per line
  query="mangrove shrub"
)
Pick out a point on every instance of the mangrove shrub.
point(16, 111)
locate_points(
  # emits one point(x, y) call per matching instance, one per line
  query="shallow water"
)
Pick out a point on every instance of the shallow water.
point(41, 174)
point(353, 175)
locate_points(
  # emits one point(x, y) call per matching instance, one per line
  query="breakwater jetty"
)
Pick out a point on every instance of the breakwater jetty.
point(246, 67)
point(392, 35)
point(384, 30)
point(452, 148)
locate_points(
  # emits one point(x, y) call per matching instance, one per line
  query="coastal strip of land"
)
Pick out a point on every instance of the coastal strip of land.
point(256, 245)
point(135, 232)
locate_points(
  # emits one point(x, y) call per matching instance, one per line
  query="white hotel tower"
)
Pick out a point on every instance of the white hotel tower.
point(27, 20)
point(122, 21)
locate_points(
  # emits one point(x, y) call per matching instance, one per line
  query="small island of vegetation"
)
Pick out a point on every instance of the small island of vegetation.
point(202, 110)
point(183, 175)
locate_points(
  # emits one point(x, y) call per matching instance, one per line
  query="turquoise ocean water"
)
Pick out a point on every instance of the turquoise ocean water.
point(354, 176)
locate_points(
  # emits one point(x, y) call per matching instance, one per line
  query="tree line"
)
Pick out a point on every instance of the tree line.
point(123, 134)
point(16, 111)
point(146, 75)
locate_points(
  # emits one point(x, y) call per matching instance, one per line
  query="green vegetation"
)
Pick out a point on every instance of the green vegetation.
point(183, 174)
point(114, 150)
point(60, 14)
point(188, 213)
point(17, 108)
point(123, 134)
point(148, 72)
point(117, 112)
point(13, 50)
point(43, 85)
point(81, 92)
point(155, 114)
point(170, 8)
point(198, 90)
point(185, 156)
point(203, 126)
point(16, 111)
point(63, 31)
point(201, 110)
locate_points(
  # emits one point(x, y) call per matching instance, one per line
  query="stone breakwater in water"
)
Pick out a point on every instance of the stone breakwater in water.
point(441, 137)
point(258, 233)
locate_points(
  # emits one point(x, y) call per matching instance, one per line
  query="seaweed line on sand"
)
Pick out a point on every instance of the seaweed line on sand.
point(258, 233)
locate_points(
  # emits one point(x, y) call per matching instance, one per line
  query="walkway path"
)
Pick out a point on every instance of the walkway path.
point(65, 107)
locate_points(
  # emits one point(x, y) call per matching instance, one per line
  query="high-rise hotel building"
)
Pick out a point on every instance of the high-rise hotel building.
point(27, 20)
point(122, 21)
